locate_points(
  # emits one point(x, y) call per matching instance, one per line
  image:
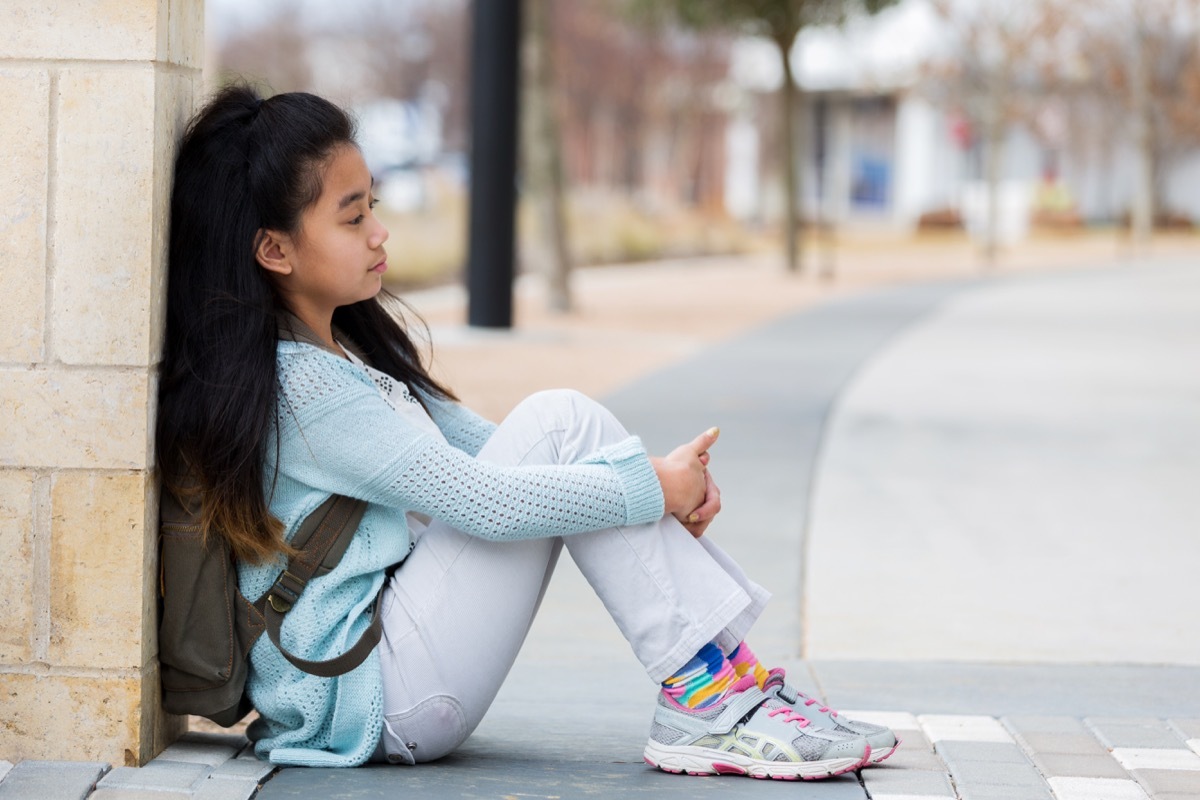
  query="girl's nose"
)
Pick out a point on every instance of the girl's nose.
point(379, 235)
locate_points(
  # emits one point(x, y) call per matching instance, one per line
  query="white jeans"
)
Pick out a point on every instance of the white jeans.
point(458, 609)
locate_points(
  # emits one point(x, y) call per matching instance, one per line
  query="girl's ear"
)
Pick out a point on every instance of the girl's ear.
point(271, 252)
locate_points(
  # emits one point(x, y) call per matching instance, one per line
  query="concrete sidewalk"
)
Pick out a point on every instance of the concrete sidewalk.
point(806, 400)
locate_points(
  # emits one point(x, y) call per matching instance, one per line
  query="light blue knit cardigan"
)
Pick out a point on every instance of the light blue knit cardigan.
point(337, 435)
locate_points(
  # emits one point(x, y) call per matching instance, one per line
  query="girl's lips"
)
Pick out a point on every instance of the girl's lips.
point(381, 267)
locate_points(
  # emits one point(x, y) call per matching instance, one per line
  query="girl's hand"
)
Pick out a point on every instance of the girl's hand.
point(697, 522)
point(687, 488)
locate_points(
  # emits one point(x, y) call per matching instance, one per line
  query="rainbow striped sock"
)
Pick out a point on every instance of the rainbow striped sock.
point(702, 681)
point(744, 662)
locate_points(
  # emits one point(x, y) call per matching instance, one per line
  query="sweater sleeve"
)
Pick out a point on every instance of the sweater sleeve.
point(461, 426)
point(336, 434)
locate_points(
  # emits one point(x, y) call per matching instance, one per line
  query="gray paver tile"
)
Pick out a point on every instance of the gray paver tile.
point(914, 740)
point(1032, 724)
point(5, 766)
point(242, 768)
point(1175, 796)
point(971, 773)
point(209, 754)
point(38, 780)
point(226, 789)
point(157, 774)
point(1189, 728)
point(1169, 780)
point(984, 752)
point(994, 792)
point(1068, 765)
point(906, 782)
point(913, 759)
point(1139, 732)
point(139, 794)
point(1076, 744)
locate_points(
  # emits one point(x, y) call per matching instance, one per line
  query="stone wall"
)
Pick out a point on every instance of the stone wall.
point(93, 96)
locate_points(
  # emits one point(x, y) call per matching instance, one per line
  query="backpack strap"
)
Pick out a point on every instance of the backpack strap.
point(321, 542)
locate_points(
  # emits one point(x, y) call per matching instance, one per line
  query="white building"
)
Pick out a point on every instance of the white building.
point(878, 152)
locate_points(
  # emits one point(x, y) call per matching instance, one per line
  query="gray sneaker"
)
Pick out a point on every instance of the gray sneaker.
point(749, 733)
point(883, 742)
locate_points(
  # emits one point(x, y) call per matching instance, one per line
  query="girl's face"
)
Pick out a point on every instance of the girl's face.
point(337, 257)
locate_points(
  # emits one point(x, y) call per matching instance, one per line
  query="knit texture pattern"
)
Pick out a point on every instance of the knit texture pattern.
point(335, 434)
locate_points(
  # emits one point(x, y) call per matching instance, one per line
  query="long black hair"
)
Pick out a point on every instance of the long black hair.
point(245, 165)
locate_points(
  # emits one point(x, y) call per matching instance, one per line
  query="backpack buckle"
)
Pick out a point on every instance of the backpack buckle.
point(285, 592)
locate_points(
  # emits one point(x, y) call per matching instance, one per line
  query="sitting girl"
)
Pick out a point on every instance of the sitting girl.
point(272, 233)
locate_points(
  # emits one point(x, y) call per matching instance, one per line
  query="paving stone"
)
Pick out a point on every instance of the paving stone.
point(1189, 728)
point(158, 774)
point(914, 740)
point(1075, 744)
point(963, 728)
point(1070, 765)
point(1034, 724)
point(207, 753)
point(881, 782)
point(1169, 780)
point(5, 766)
point(1141, 732)
point(995, 792)
point(140, 794)
point(1132, 758)
point(985, 752)
point(1097, 789)
point(904, 758)
point(1175, 796)
point(226, 789)
point(244, 768)
point(38, 780)
point(970, 773)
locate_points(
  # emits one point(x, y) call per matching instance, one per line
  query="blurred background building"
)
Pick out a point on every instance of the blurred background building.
point(992, 120)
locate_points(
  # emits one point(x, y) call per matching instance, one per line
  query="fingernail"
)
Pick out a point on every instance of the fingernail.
point(694, 518)
point(714, 431)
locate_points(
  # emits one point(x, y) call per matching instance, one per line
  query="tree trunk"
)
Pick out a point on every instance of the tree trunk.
point(1142, 212)
point(994, 158)
point(544, 177)
point(791, 172)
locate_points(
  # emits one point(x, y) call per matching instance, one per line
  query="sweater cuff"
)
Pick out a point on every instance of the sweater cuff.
point(639, 483)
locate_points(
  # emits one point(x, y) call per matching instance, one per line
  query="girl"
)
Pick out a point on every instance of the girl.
point(272, 230)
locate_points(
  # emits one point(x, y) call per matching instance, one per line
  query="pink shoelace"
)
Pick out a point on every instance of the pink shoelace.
point(808, 701)
point(789, 716)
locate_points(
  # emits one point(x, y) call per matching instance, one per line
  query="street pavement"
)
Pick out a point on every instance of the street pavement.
point(974, 502)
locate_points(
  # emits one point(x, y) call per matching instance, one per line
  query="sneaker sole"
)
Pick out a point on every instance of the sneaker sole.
point(880, 755)
point(704, 761)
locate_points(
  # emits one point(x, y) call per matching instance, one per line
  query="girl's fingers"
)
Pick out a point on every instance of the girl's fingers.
point(710, 507)
point(705, 440)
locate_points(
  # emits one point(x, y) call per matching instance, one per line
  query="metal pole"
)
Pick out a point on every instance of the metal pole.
point(494, 81)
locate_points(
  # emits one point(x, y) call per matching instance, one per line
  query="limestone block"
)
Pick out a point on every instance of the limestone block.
point(74, 418)
point(16, 556)
point(24, 130)
point(181, 33)
point(174, 105)
point(104, 216)
point(97, 557)
point(80, 29)
point(56, 717)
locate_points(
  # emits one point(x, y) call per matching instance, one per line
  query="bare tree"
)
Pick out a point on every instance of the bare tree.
point(779, 21)
point(994, 69)
point(542, 157)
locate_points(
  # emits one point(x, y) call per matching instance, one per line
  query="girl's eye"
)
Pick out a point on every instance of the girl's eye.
point(357, 220)
point(372, 203)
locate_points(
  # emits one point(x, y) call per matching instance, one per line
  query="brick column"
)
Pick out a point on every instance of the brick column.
point(93, 95)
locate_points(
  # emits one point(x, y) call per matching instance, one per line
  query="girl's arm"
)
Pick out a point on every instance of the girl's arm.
point(461, 426)
point(337, 434)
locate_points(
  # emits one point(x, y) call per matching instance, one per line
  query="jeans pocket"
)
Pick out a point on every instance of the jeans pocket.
point(431, 729)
